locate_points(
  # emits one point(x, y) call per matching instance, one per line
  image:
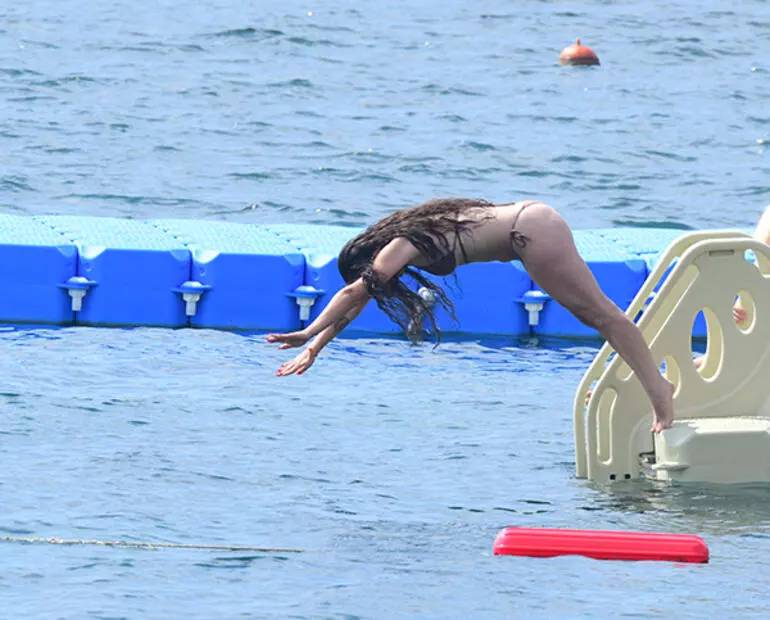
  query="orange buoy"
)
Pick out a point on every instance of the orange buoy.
point(578, 54)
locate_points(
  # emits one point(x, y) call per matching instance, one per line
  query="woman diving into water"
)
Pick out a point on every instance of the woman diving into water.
point(441, 234)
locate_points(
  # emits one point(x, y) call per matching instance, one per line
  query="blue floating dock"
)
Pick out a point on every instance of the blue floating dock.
point(646, 244)
point(248, 272)
point(34, 261)
point(179, 273)
point(132, 266)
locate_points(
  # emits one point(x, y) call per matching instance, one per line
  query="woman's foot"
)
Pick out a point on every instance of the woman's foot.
point(663, 408)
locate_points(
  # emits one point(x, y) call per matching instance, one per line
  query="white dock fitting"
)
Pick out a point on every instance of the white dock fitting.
point(721, 431)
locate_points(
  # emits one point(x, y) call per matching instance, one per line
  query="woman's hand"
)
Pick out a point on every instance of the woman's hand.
point(298, 365)
point(289, 340)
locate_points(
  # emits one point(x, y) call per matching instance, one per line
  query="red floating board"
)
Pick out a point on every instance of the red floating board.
point(601, 544)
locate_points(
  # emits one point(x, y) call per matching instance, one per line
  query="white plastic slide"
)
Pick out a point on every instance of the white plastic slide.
point(721, 431)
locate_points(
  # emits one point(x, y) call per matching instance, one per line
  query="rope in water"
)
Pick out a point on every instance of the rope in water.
point(32, 540)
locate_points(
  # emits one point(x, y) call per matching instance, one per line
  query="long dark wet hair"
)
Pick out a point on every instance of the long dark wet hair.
point(433, 228)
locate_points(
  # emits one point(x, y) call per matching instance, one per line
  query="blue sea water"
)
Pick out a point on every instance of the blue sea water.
point(391, 467)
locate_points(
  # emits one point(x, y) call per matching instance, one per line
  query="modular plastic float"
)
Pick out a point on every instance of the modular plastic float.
point(126, 269)
point(249, 273)
point(34, 261)
point(601, 544)
point(75, 270)
point(721, 431)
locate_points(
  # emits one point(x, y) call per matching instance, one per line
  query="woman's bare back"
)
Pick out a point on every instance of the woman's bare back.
point(489, 239)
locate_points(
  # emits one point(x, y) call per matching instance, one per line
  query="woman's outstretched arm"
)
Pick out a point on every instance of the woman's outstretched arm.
point(305, 359)
point(344, 300)
point(393, 257)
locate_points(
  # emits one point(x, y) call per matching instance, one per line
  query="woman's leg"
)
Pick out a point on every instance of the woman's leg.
point(552, 260)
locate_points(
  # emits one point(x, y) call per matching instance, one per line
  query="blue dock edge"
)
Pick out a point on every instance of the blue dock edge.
point(72, 270)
